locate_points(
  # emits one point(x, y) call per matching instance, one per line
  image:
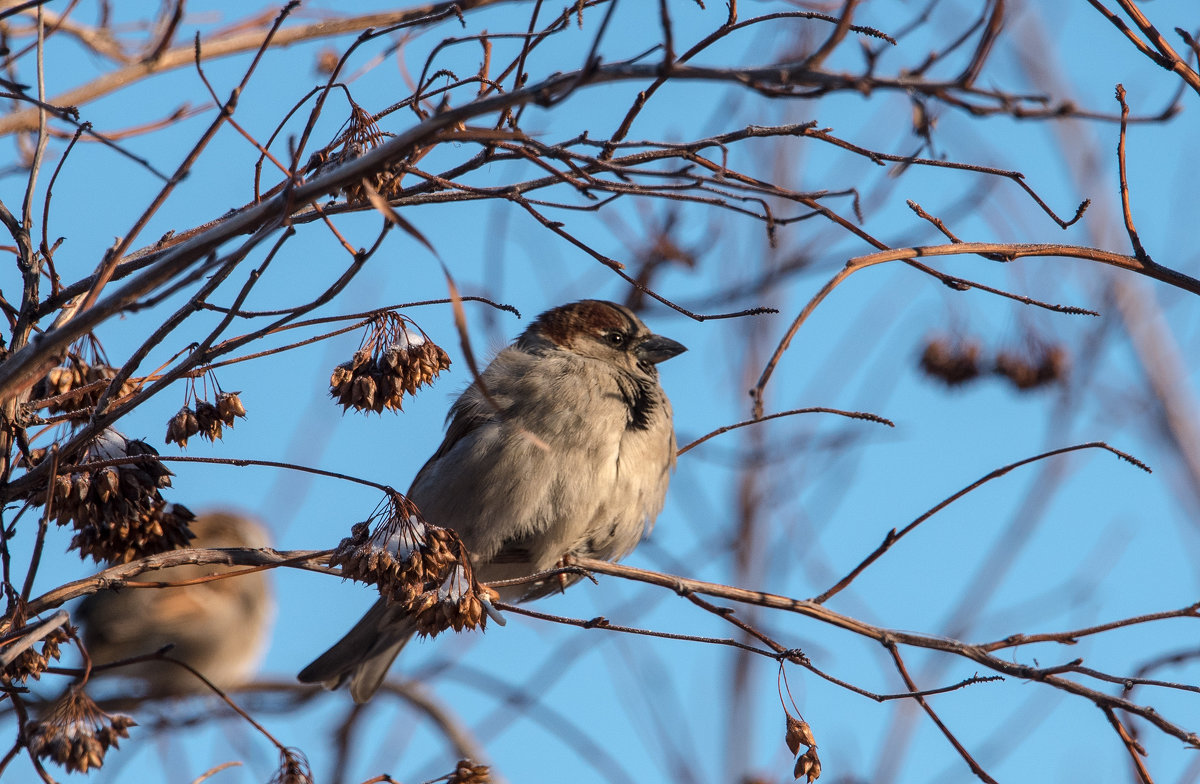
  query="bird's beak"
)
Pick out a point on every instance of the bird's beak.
point(656, 348)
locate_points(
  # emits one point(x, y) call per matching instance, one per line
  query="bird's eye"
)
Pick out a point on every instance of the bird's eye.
point(614, 339)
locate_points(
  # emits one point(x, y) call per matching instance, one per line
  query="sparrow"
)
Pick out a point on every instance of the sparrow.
point(565, 449)
point(218, 627)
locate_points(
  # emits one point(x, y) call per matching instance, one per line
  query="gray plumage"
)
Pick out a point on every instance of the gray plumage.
point(218, 627)
point(569, 453)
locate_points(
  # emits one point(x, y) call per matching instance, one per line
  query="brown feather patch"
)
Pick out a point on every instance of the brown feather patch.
point(589, 316)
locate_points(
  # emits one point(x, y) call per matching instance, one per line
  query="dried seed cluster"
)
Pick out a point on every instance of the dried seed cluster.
point(466, 773)
point(32, 663)
point(958, 362)
point(76, 733)
point(395, 361)
point(1044, 365)
point(362, 135)
point(77, 376)
point(951, 363)
point(808, 764)
point(117, 511)
point(422, 567)
point(206, 420)
point(163, 527)
point(458, 603)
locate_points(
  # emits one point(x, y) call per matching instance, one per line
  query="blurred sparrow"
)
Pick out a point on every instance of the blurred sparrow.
point(218, 627)
point(567, 451)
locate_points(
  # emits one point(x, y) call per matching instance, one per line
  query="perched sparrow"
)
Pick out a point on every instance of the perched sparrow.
point(218, 627)
point(566, 451)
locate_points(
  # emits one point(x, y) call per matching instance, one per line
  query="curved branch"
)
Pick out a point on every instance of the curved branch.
point(182, 56)
point(994, 251)
point(884, 636)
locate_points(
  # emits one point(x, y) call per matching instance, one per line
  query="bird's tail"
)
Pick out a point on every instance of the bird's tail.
point(365, 654)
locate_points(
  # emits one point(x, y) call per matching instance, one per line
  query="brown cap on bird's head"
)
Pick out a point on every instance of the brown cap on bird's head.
point(605, 322)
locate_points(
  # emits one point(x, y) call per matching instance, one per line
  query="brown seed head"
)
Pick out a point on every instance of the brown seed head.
point(32, 663)
point(229, 406)
point(117, 511)
point(209, 420)
point(182, 426)
point(396, 360)
point(421, 567)
point(1034, 367)
point(808, 765)
point(798, 734)
point(80, 384)
point(951, 363)
point(75, 733)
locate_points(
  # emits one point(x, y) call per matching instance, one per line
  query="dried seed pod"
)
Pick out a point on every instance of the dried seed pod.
point(229, 406)
point(110, 482)
point(82, 485)
point(214, 432)
point(365, 391)
point(117, 511)
point(803, 764)
point(58, 380)
point(151, 467)
point(808, 765)
point(421, 567)
point(459, 602)
point(182, 426)
point(341, 375)
point(79, 384)
point(62, 487)
point(380, 392)
point(209, 420)
point(466, 773)
point(162, 527)
point(798, 734)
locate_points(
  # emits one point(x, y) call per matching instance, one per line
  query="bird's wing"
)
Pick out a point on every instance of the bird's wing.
point(465, 416)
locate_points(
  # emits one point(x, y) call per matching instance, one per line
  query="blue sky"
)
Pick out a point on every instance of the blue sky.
point(1107, 542)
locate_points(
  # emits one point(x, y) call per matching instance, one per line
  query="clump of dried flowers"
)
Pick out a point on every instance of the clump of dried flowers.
point(77, 383)
point(1040, 364)
point(423, 568)
point(362, 134)
point(206, 420)
point(951, 362)
point(808, 764)
point(31, 662)
point(75, 733)
point(396, 358)
point(117, 510)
